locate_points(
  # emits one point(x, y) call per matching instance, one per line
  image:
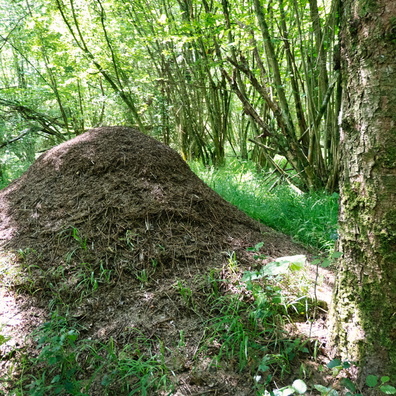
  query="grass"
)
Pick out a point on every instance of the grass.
point(64, 359)
point(244, 331)
point(310, 218)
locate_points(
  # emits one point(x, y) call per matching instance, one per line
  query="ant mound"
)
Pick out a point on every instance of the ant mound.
point(116, 198)
point(114, 226)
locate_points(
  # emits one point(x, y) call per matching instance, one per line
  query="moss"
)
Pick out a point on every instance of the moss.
point(391, 33)
point(378, 337)
point(387, 234)
point(388, 159)
point(367, 7)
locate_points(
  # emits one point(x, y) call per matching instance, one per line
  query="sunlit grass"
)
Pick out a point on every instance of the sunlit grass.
point(310, 218)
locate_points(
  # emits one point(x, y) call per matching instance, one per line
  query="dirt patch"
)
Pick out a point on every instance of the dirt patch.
point(115, 225)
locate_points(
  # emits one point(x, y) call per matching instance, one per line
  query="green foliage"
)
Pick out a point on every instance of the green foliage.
point(3, 338)
point(186, 294)
point(300, 387)
point(249, 331)
point(310, 218)
point(192, 74)
point(69, 365)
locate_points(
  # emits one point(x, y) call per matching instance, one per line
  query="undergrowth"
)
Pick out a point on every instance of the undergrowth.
point(310, 218)
point(245, 314)
point(244, 332)
point(68, 364)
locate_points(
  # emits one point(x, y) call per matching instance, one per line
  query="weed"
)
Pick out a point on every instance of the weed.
point(57, 345)
point(268, 286)
point(256, 249)
point(232, 263)
point(130, 372)
point(73, 284)
point(247, 327)
point(79, 238)
point(143, 276)
point(3, 338)
point(75, 234)
point(130, 238)
point(213, 281)
point(186, 294)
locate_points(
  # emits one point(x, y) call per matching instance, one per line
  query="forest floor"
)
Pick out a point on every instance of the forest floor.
point(113, 233)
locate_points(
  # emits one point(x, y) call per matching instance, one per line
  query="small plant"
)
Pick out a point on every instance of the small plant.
point(381, 383)
point(236, 335)
point(232, 264)
point(325, 262)
point(269, 294)
point(182, 339)
point(78, 237)
point(25, 253)
point(143, 276)
point(256, 249)
point(372, 381)
point(247, 327)
point(57, 345)
point(130, 238)
point(74, 233)
point(3, 338)
point(186, 294)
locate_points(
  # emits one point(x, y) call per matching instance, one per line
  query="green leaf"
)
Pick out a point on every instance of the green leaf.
point(321, 388)
point(55, 379)
point(264, 363)
point(371, 381)
point(388, 389)
point(3, 339)
point(258, 246)
point(325, 263)
point(384, 379)
point(326, 391)
point(299, 386)
point(334, 363)
point(263, 368)
point(295, 263)
point(348, 384)
point(336, 255)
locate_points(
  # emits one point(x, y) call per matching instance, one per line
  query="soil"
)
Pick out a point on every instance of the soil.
point(122, 209)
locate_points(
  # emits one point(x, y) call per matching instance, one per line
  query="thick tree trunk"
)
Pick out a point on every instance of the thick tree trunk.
point(363, 316)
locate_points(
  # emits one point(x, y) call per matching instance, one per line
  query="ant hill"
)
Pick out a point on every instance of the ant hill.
point(120, 199)
point(113, 231)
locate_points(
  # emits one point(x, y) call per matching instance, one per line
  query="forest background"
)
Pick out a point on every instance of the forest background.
point(210, 78)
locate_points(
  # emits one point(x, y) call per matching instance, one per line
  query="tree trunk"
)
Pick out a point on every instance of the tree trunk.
point(363, 317)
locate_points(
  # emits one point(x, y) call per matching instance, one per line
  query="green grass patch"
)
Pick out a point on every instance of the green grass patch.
point(310, 218)
point(67, 364)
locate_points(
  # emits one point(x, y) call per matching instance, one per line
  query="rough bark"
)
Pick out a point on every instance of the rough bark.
point(364, 305)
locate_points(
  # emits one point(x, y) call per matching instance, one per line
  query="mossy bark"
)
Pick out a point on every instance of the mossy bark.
point(363, 317)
